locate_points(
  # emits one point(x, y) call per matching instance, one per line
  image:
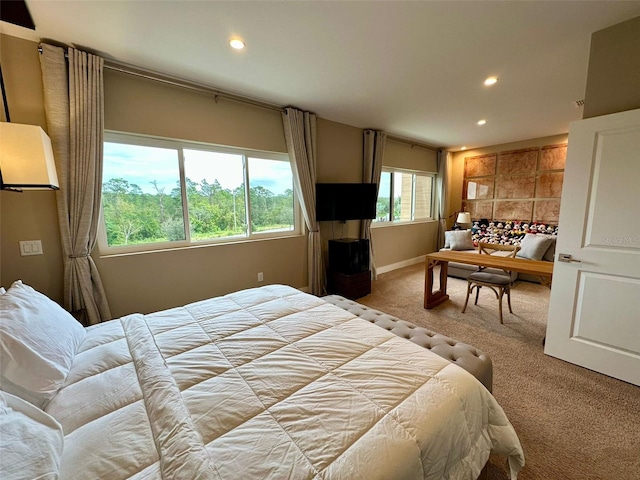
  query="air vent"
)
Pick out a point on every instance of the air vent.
point(578, 103)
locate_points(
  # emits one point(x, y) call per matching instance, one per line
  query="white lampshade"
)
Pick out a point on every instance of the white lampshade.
point(464, 217)
point(26, 158)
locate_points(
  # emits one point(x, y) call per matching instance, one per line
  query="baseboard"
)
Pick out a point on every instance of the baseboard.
point(402, 264)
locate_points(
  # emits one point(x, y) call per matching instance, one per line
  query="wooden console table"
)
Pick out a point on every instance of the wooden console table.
point(432, 299)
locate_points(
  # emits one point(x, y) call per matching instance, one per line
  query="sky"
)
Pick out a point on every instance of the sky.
point(141, 165)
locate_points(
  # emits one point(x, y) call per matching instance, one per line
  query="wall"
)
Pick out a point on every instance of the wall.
point(338, 146)
point(28, 215)
point(524, 184)
point(614, 70)
point(456, 172)
point(399, 244)
point(154, 281)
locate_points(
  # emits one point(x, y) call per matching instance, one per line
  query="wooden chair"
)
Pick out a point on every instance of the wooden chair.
point(498, 280)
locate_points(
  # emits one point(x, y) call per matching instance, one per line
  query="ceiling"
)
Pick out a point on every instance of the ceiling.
point(413, 69)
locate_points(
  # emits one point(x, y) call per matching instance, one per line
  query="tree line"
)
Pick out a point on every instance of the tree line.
point(133, 216)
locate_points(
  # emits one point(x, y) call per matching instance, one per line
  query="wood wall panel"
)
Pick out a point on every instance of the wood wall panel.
point(523, 184)
point(518, 161)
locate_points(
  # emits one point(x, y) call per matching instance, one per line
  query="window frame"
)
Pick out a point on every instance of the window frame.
point(112, 136)
point(414, 173)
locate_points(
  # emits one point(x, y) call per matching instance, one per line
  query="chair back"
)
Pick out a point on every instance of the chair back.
point(491, 248)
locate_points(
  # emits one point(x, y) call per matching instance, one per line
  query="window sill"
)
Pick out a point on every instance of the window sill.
point(403, 224)
point(165, 249)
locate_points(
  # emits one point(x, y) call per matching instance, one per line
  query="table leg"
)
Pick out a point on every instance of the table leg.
point(433, 299)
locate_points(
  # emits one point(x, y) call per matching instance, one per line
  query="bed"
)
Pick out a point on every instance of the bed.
point(266, 383)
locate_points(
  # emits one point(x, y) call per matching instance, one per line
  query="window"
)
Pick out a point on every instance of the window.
point(404, 196)
point(158, 193)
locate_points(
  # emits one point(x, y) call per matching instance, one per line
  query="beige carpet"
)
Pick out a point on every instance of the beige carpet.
point(573, 423)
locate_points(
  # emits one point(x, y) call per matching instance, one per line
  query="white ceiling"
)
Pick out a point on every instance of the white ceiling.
point(413, 69)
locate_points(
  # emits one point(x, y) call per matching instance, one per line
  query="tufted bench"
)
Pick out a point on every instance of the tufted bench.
point(463, 355)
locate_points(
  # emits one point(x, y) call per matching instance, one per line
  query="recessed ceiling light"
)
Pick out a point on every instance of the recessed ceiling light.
point(491, 81)
point(482, 122)
point(236, 43)
point(463, 148)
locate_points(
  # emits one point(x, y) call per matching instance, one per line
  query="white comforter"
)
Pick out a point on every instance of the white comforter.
point(271, 383)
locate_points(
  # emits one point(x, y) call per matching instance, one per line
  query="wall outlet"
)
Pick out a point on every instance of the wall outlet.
point(30, 247)
point(260, 277)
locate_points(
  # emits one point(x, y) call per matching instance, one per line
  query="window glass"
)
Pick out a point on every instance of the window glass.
point(422, 197)
point(384, 198)
point(215, 194)
point(402, 188)
point(166, 191)
point(409, 193)
point(141, 195)
point(271, 195)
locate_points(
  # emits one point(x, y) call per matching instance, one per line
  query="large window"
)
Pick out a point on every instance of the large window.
point(158, 193)
point(404, 196)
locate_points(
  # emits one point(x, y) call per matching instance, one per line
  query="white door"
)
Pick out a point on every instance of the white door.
point(594, 309)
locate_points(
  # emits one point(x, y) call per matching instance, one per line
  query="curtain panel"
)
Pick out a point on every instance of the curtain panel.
point(300, 135)
point(74, 108)
point(374, 142)
point(444, 159)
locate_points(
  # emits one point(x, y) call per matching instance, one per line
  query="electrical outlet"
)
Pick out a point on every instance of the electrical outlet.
point(30, 247)
point(260, 277)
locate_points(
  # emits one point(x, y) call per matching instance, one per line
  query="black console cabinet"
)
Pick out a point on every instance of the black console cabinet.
point(349, 273)
point(348, 255)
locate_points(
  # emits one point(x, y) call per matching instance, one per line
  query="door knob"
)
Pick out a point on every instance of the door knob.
point(565, 257)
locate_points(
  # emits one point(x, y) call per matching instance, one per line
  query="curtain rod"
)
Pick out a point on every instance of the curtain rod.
point(189, 85)
point(412, 143)
point(186, 84)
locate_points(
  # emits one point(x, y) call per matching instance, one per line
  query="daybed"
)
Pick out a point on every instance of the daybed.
point(537, 242)
point(267, 383)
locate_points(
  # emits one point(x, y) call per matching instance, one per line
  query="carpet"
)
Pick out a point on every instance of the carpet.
point(573, 423)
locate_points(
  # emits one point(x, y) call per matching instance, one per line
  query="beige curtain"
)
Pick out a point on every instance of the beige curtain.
point(444, 158)
point(300, 135)
point(374, 142)
point(73, 94)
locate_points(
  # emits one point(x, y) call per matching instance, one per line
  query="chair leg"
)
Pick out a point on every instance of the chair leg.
point(500, 304)
point(466, 300)
point(478, 287)
point(509, 298)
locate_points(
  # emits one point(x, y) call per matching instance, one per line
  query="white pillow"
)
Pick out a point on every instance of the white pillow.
point(31, 441)
point(550, 254)
point(2, 291)
point(458, 240)
point(534, 246)
point(38, 341)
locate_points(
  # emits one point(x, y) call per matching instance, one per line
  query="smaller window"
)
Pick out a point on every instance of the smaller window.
point(404, 196)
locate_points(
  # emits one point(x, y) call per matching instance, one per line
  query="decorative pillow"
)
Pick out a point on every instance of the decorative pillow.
point(550, 254)
point(2, 291)
point(38, 341)
point(459, 240)
point(534, 246)
point(30, 440)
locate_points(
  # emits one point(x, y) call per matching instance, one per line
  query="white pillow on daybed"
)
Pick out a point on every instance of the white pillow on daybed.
point(38, 341)
point(31, 441)
point(458, 240)
point(534, 246)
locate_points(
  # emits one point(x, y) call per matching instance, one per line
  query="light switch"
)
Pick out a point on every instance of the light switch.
point(30, 247)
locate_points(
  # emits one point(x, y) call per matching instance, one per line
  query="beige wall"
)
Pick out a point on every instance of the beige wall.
point(27, 215)
point(613, 80)
point(394, 244)
point(153, 281)
point(456, 172)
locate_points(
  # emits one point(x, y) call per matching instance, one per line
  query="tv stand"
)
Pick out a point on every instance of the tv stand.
point(349, 273)
point(351, 286)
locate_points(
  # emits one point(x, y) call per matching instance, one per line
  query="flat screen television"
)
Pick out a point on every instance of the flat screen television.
point(346, 201)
